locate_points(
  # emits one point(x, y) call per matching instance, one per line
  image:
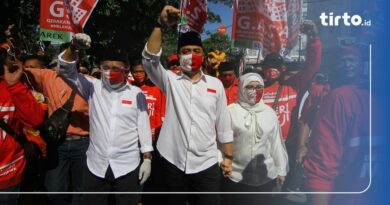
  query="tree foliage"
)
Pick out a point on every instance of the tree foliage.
point(217, 41)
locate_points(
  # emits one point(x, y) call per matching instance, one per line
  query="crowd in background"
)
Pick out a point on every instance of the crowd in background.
point(191, 126)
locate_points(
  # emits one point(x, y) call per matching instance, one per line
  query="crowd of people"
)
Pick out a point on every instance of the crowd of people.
point(135, 126)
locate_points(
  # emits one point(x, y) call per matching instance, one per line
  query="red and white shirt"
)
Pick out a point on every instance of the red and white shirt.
point(155, 100)
point(286, 104)
point(18, 108)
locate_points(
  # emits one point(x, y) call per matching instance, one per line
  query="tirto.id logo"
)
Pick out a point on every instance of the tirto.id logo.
point(346, 19)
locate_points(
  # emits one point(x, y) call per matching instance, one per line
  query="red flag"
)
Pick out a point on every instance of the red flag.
point(260, 24)
point(79, 12)
point(194, 15)
point(60, 18)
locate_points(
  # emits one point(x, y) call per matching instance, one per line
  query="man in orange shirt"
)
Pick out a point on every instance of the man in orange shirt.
point(66, 161)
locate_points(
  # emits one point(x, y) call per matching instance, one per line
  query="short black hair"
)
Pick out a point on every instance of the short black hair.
point(135, 63)
point(41, 60)
point(227, 66)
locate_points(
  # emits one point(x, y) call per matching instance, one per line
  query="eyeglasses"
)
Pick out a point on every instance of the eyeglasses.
point(251, 87)
point(106, 67)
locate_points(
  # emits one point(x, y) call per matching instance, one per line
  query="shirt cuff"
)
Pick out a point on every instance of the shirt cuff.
point(60, 59)
point(225, 137)
point(146, 148)
point(282, 172)
point(150, 56)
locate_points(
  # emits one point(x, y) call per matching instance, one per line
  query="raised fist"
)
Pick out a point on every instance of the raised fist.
point(81, 41)
point(309, 28)
point(169, 16)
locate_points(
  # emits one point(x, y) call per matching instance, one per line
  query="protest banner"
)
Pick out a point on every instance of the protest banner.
point(260, 25)
point(59, 19)
point(193, 15)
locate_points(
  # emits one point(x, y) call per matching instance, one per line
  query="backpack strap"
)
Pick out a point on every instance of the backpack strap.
point(69, 103)
point(276, 102)
point(19, 138)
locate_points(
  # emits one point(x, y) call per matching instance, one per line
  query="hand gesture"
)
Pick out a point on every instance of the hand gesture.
point(226, 166)
point(309, 28)
point(302, 151)
point(169, 16)
point(81, 41)
point(13, 71)
point(280, 180)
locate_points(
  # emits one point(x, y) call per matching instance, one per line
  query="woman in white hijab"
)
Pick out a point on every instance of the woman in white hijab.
point(260, 158)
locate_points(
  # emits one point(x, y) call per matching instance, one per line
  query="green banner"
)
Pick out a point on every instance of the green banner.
point(56, 36)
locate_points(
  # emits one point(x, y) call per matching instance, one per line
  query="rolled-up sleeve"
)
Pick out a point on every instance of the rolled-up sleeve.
point(156, 72)
point(223, 122)
point(143, 125)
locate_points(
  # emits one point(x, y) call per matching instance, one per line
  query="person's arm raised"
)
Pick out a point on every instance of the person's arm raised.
point(68, 66)
point(168, 17)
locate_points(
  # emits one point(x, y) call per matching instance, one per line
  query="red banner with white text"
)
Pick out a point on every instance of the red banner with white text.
point(194, 15)
point(260, 24)
point(59, 19)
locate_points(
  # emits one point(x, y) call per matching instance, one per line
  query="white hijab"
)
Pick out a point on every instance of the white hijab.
point(250, 117)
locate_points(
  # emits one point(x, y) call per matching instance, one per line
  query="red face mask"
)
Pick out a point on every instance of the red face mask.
point(191, 62)
point(259, 95)
point(254, 96)
point(139, 77)
point(114, 78)
point(227, 81)
point(271, 74)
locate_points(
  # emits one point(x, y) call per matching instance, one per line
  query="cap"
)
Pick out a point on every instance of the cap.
point(273, 60)
point(189, 38)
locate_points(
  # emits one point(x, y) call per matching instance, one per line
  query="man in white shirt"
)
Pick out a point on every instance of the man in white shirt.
point(119, 126)
point(196, 117)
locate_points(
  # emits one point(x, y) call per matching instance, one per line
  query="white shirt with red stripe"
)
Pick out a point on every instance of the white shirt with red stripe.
point(196, 116)
point(118, 122)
